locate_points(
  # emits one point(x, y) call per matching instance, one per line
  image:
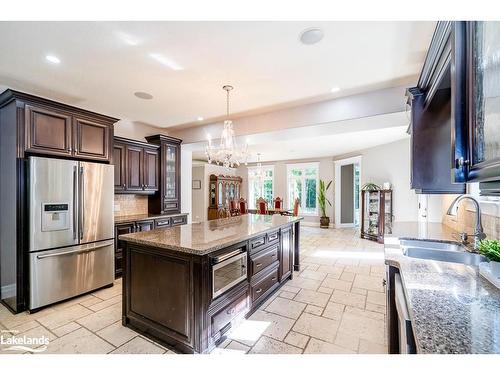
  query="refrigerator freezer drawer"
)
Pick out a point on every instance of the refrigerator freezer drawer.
point(59, 274)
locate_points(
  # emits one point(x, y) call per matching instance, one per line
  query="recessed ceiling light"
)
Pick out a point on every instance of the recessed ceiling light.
point(335, 89)
point(311, 36)
point(127, 38)
point(143, 95)
point(200, 118)
point(53, 59)
point(166, 61)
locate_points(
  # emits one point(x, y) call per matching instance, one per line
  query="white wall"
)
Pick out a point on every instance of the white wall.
point(200, 196)
point(391, 163)
point(136, 130)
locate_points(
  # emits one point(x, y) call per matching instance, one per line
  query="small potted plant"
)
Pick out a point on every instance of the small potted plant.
point(322, 201)
point(491, 250)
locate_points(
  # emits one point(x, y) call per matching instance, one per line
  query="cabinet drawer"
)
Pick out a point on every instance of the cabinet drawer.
point(161, 223)
point(220, 318)
point(144, 226)
point(169, 206)
point(273, 237)
point(179, 220)
point(257, 244)
point(260, 288)
point(261, 260)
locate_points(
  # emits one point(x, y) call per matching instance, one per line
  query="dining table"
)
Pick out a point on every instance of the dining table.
point(270, 211)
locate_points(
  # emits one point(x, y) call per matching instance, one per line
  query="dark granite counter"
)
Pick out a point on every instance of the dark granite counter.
point(453, 309)
point(208, 236)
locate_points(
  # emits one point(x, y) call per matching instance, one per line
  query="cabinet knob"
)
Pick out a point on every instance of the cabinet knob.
point(123, 186)
point(461, 162)
point(258, 290)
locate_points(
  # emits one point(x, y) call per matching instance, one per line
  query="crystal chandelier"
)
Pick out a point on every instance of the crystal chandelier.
point(228, 154)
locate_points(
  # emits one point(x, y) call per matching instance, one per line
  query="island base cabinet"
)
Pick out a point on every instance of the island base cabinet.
point(227, 314)
point(168, 295)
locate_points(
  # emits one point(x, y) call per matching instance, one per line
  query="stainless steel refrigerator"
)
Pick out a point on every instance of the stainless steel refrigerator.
point(71, 228)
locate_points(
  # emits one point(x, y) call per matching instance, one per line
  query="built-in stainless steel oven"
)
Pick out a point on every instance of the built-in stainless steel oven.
point(228, 270)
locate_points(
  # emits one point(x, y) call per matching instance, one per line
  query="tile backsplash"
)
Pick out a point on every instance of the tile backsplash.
point(465, 222)
point(130, 204)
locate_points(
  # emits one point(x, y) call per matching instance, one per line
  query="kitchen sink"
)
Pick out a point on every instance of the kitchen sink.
point(441, 251)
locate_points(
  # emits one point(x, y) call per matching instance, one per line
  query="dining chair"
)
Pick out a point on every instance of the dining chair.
point(233, 209)
point(278, 203)
point(243, 206)
point(296, 205)
point(261, 206)
point(295, 211)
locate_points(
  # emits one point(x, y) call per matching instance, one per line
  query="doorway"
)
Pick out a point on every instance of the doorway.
point(347, 192)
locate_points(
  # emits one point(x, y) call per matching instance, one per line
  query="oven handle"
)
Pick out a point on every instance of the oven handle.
point(224, 257)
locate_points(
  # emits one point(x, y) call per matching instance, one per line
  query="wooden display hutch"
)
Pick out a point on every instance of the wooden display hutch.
point(221, 190)
point(376, 217)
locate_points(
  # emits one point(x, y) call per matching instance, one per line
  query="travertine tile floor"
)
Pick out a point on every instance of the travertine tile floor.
point(336, 304)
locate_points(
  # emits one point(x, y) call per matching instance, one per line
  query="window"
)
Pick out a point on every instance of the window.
point(303, 184)
point(260, 187)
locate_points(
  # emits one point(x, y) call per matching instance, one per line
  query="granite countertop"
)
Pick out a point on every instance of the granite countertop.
point(453, 309)
point(128, 218)
point(208, 236)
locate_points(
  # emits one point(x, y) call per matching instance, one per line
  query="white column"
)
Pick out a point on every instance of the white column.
point(186, 177)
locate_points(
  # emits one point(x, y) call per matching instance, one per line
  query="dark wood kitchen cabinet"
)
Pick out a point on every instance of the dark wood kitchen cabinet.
point(119, 160)
point(92, 139)
point(136, 166)
point(55, 129)
point(141, 226)
point(120, 229)
point(167, 199)
point(433, 119)
point(477, 137)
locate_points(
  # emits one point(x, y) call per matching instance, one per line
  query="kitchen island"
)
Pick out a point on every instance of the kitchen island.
point(187, 287)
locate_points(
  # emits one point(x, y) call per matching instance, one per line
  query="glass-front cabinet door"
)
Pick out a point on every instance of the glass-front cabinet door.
point(484, 106)
point(476, 101)
point(171, 172)
point(387, 211)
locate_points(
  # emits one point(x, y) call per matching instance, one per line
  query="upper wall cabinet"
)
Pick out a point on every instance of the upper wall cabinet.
point(56, 129)
point(477, 138)
point(167, 200)
point(431, 119)
point(136, 166)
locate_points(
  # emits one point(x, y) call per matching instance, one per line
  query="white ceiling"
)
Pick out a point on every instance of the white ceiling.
point(329, 140)
point(104, 63)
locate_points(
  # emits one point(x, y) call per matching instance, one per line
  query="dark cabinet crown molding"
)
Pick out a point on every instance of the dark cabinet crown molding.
point(158, 138)
point(134, 142)
point(10, 95)
point(437, 61)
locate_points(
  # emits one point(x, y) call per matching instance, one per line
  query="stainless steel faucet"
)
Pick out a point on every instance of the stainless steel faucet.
point(478, 232)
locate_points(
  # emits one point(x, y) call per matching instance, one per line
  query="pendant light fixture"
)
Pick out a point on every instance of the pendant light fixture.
point(228, 154)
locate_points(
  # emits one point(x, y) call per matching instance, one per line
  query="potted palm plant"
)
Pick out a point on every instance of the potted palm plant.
point(322, 201)
point(491, 250)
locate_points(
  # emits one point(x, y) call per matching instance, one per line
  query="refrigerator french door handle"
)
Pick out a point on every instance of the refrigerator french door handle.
point(75, 229)
point(79, 251)
point(81, 207)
